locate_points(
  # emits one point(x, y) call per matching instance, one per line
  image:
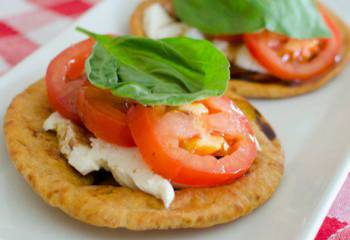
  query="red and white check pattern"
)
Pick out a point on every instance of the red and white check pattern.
point(336, 225)
point(27, 24)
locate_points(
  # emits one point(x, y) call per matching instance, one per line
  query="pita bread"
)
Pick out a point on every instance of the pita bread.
point(95, 200)
point(255, 89)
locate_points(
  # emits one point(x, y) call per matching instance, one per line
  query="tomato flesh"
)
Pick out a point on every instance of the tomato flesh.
point(158, 132)
point(291, 59)
point(65, 76)
point(104, 115)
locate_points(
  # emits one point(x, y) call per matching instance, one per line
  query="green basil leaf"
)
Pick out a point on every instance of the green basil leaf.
point(102, 68)
point(171, 71)
point(294, 18)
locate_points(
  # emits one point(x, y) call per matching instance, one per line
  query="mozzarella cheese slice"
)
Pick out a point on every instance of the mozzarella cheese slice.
point(194, 33)
point(246, 61)
point(159, 24)
point(125, 164)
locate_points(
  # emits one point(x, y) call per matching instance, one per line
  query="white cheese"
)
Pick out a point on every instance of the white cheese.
point(223, 46)
point(159, 24)
point(246, 61)
point(125, 164)
point(170, 30)
point(194, 33)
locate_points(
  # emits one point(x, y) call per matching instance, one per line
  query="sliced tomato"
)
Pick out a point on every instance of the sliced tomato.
point(160, 132)
point(104, 115)
point(292, 59)
point(65, 76)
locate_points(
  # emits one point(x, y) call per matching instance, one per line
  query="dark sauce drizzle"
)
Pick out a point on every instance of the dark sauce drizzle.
point(265, 127)
point(103, 177)
point(244, 75)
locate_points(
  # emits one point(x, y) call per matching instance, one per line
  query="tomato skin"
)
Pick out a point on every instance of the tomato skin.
point(180, 166)
point(102, 113)
point(65, 76)
point(257, 44)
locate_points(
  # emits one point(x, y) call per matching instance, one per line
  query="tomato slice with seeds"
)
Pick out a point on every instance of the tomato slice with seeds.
point(193, 147)
point(105, 115)
point(65, 76)
point(292, 59)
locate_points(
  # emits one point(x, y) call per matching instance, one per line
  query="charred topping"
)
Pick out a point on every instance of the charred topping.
point(265, 127)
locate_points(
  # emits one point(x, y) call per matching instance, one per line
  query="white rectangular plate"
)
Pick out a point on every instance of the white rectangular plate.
point(314, 130)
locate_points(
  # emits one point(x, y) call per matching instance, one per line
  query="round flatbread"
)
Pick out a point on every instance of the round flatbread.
point(36, 155)
point(256, 89)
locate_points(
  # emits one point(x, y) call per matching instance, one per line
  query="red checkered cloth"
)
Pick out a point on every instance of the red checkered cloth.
point(27, 24)
point(336, 225)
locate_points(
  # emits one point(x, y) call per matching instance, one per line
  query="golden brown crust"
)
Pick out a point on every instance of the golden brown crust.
point(36, 156)
point(264, 90)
